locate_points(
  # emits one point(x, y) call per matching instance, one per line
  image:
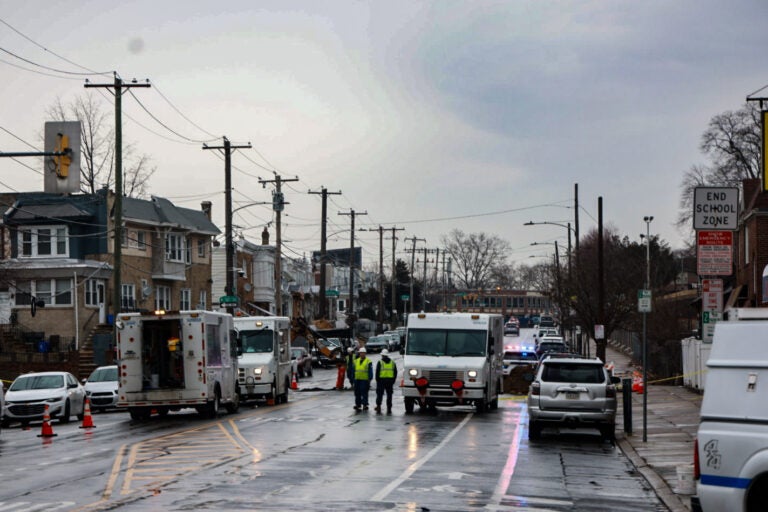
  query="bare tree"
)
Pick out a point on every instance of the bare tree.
point(475, 256)
point(97, 142)
point(732, 142)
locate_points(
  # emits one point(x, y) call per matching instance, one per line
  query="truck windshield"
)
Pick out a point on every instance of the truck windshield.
point(441, 342)
point(256, 341)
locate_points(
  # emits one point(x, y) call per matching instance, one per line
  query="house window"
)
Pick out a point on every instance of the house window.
point(203, 300)
point(43, 241)
point(185, 299)
point(175, 247)
point(54, 292)
point(135, 239)
point(201, 248)
point(94, 292)
point(127, 296)
point(746, 245)
point(163, 297)
point(188, 259)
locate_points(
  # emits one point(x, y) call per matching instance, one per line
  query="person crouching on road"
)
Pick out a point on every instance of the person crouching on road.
point(351, 367)
point(363, 376)
point(386, 374)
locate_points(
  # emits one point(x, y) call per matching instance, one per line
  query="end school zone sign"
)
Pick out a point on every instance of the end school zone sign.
point(716, 208)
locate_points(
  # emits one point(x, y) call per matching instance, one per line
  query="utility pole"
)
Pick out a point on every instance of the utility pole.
point(230, 266)
point(351, 305)
point(323, 299)
point(413, 262)
point(380, 316)
point(393, 312)
point(278, 204)
point(118, 87)
point(424, 292)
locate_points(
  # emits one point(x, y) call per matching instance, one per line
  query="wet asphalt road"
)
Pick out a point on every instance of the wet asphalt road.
point(317, 454)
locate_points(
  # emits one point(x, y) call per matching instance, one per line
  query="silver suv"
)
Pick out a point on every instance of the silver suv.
point(572, 393)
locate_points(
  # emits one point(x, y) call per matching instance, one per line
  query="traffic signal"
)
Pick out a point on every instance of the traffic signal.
point(63, 159)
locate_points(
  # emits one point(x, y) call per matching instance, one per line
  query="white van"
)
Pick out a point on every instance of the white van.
point(731, 455)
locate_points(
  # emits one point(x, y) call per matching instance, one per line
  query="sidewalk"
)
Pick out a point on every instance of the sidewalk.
point(672, 422)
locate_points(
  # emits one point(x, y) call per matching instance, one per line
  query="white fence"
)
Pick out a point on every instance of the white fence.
point(695, 356)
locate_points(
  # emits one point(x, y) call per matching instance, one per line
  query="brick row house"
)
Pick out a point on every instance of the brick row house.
point(56, 272)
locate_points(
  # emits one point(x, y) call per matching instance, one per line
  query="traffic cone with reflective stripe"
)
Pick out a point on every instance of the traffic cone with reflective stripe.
point(87, 418)
point(294, 384)
point(47, 428)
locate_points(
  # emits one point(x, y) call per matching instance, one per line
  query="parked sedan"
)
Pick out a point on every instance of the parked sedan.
point(376, 344)
point(28, 395)
point(303, 361)
point(101, 388)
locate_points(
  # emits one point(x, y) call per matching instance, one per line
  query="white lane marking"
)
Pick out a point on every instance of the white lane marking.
point(379, 496)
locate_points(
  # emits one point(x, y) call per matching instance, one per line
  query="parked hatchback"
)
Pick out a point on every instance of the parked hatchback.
point(101, 388)
point(572, 393)
point(28, 395)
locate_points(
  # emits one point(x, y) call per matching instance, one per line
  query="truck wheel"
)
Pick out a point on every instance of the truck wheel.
point(494, 404)
point(211, 409)
point(233, 406)
point(139, 413)
point(409, 403)
point(481, 405)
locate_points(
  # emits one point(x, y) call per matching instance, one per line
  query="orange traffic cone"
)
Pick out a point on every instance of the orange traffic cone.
point(87, 418)
point(637, 384)
point(47, 429)
point(294, 384)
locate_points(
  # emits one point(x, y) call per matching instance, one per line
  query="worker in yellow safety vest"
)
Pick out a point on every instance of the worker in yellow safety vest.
point(386, 374)
point(363, 376)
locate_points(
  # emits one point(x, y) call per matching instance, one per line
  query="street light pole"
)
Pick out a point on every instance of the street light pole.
point(647, 220)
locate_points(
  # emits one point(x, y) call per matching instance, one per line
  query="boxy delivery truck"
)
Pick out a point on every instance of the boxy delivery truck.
point(176, 359)
point(453, 359)
point(264, 360)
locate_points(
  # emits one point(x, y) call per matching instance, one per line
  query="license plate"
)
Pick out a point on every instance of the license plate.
point(571, 395)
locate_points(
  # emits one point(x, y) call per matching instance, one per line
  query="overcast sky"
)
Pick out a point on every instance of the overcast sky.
point(427, 115)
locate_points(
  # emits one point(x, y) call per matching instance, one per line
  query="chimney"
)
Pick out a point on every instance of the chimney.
point(206, 207)
point(265, 236)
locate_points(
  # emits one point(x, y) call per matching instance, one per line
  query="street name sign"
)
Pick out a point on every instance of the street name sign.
point(716, 208)
point(643, 301)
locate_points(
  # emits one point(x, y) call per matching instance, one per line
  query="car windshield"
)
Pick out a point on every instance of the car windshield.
point(256, 341)
point(441, 342)
point(551, 346)
point(103, 375)
point(296, 353)
point(575, 373)
point(37, 382)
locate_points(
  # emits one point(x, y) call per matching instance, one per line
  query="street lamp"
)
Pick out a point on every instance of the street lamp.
point(566, 226)
point(647, 221)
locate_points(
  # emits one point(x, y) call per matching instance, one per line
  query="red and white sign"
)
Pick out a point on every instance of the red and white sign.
point(712, 295)
point(714, 253)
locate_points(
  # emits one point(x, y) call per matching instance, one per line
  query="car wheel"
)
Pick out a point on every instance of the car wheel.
point(301, 373)
point(309, 370)
point(5, 423)
point(233, 406)
point(409, 403)
point(534, 430)
point(64, 418)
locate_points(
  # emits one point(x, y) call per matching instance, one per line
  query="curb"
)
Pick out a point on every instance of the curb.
point(660, 486)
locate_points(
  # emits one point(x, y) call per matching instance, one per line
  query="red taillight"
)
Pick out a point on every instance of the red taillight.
point(696, 468)
point(457, 386)
point(421, 383)
point(535, 389)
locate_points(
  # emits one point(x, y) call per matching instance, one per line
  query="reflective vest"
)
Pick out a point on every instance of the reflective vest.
point(361, 368)
point(386, 370)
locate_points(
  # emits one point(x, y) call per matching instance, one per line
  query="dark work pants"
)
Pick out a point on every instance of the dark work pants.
point(361, 392)
point(382, 386)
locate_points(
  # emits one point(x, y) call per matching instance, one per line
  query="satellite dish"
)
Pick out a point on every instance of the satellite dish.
point(146, 291)
point(247, 287)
